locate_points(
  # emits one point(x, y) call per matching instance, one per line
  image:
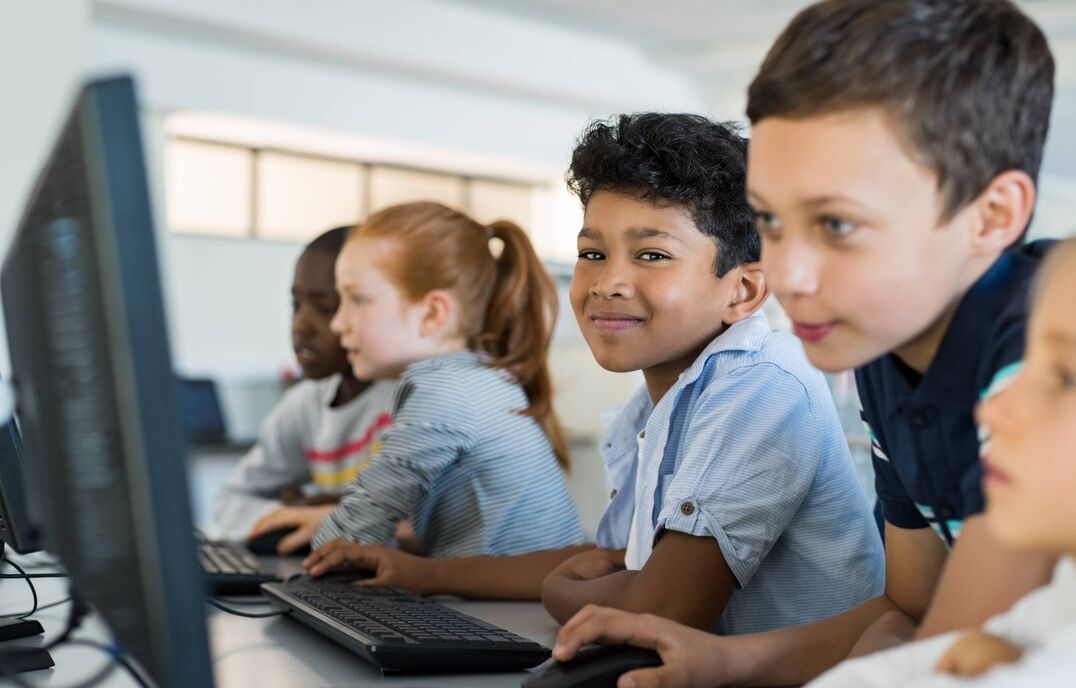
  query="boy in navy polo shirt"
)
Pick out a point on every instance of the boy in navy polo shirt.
point(892, 170)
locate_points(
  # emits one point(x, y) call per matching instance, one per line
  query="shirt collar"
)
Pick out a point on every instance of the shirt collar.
point(748, 334)
point(623, 423)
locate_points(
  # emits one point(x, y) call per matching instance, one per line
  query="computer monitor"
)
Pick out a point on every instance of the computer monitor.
point(19, 523)
point(95, 393)
point(202, 416)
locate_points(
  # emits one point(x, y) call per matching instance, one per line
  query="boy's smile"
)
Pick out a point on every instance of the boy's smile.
point(853, 244)
point(644, 290)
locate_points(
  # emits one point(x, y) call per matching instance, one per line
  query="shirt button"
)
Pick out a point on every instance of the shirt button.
point(920, 418)
point(612, 494)
point(687, 508)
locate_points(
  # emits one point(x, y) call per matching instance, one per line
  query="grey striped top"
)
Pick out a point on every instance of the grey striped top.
point(473, 474)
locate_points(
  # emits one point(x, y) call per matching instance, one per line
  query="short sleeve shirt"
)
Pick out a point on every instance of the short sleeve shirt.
point(747, 448)
point(925, 445)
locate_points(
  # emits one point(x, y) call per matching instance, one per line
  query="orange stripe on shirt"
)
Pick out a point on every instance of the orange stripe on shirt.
point(383, 421)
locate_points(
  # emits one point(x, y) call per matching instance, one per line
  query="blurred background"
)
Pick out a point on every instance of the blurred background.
point(266, 122)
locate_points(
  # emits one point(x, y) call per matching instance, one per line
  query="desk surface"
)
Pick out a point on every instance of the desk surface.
point(272, 652)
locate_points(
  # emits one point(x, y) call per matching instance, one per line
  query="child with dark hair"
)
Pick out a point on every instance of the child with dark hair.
point(323, 431)
point(734, 505)
point(892, 171)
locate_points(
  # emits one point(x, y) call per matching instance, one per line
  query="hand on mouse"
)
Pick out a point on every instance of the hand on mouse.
point(304, 519)
point(391, 567)
point(595, 563)
point(976, 652)
point(690, 657)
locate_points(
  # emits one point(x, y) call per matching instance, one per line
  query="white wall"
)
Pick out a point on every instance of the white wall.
point(41, 52)
point(430, 72)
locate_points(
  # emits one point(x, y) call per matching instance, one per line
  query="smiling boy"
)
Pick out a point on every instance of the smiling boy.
point(732, 481)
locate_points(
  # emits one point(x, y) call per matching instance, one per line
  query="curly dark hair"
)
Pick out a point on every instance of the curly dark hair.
point(674, 160)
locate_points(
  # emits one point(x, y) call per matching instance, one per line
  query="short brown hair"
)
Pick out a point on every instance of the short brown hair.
point(968, 84)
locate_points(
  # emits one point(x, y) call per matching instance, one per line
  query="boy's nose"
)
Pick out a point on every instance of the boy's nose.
point(612, 283)
point(790, 271)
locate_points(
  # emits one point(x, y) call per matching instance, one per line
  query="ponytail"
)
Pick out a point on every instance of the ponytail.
point(518, 327)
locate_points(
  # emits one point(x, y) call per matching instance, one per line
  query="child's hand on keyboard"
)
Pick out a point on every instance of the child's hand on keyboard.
point(976, 652)
point(391, 567)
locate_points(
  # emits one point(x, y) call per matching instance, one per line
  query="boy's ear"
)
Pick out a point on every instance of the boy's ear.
point(438, 313)
point(1004, 209)
point(749, 293)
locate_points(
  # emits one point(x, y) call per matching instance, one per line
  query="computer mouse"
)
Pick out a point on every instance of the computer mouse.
point(593, 667)
point(265, 544)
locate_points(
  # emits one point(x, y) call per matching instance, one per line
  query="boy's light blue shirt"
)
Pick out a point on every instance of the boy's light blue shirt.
point(747, 448)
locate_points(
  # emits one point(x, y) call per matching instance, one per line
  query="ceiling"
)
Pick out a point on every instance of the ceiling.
point(719, 44)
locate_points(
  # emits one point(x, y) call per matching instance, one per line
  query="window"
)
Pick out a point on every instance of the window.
point(299, 197)
point(231, 190)
point(392, 185)
point(207, 188)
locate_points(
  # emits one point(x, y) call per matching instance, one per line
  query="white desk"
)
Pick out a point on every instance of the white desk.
point(267, 653)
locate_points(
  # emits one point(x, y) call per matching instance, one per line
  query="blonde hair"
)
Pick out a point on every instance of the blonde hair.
point(508, 302)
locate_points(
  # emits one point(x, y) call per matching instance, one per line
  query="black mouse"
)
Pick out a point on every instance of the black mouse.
point(265, 544)
point(593, 667)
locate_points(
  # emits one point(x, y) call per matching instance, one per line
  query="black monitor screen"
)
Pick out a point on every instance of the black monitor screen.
point(96, 396)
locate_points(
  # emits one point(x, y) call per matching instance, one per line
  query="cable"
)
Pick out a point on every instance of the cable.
point(33, 590)
point(26, 575)
point(242, 601)
point(248, 615)
point(50, 605)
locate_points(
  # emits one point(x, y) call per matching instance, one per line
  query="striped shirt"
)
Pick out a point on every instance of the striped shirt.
point(474, 475)
point(747, 448)
point(304, 441)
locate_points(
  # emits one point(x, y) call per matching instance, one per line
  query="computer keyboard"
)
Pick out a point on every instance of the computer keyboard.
point(403, 632)
point(230, 569)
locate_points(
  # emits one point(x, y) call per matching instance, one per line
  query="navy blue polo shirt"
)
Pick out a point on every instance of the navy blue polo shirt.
point(925, 445)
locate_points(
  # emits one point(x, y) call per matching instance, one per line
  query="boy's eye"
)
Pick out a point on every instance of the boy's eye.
point(766, 223)
point(294, 306)
point(587, 254)
point(652, 256)
point(835, 226)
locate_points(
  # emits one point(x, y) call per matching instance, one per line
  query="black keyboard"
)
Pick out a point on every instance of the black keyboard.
point(230, 569)
point(403, 632)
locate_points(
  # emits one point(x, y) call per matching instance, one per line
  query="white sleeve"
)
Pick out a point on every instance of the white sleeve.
point(275, 462)
point(902, 666)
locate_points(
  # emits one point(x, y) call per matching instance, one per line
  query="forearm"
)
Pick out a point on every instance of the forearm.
point(959, 605)
point(516, 577)
point(563, 597)
point(795, 655)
